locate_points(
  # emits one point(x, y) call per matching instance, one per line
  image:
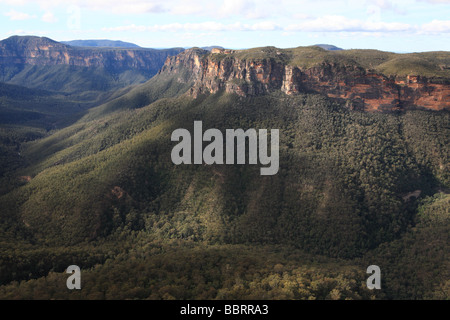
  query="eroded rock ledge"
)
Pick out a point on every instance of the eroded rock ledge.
point(362, 89)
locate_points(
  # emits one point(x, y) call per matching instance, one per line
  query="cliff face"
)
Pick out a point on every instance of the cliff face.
point(42, 63)
point(360, 88)
point(46, 52)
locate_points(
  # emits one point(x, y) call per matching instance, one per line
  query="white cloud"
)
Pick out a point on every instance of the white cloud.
point(233, 7)
point(115, 6)
point(49, 17)
point(127, 7)
point(288, 16)
point(343, 24)
point(265, 26)
point(438, 1)
point(18, 16)
point(436, 26)
point(249, 9)
point(201, 26)
point(325, 24)
point(302, 16)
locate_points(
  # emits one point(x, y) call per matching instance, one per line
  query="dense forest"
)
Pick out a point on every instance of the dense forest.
point(104, 194)
point(100, 191)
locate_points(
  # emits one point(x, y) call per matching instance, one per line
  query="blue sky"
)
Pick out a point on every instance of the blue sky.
point(399, 26)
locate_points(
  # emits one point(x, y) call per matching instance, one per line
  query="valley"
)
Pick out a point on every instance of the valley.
point(87, 175)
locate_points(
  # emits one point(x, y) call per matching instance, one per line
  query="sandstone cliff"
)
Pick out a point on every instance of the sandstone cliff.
point(248, 74)
point(42, 63)
point(44, 51)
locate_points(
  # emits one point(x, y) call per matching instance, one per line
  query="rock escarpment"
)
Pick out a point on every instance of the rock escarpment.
point(42, 63)
point(46, 52)
point(362, 88)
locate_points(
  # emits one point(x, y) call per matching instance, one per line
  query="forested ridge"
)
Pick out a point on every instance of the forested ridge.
point(353, 189)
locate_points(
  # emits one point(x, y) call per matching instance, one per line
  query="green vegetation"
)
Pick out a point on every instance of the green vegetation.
point(187, 270)
point(43, 109)
point(107, 181)
point(414, 65)
point(353, 189)
point(428, 64)
point(368, 59)
point(74, 79)
point(418, 265)
point(76, 70)
point(29, 114)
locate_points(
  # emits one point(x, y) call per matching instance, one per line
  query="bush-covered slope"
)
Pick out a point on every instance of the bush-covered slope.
point(39, 62)
point(342, 174)
point(103, 193)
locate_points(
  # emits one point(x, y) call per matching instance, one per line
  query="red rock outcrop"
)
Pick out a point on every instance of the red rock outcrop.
point(361, 89)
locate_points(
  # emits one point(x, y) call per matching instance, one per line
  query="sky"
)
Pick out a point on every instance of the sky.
point(397, 26)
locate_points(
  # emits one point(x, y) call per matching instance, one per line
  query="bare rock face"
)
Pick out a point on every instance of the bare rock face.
point(46, 52)
point(362, 89)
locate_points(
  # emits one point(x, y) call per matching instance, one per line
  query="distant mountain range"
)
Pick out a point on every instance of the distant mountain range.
point(121, 44)
point(43, 63)
point(105, 43)
point(329, 47)
point(209, 48)
point(100, 43)
point(87, 174)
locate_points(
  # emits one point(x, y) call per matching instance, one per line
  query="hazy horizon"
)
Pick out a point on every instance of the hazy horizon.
point(400, 26)
point(213, 45)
